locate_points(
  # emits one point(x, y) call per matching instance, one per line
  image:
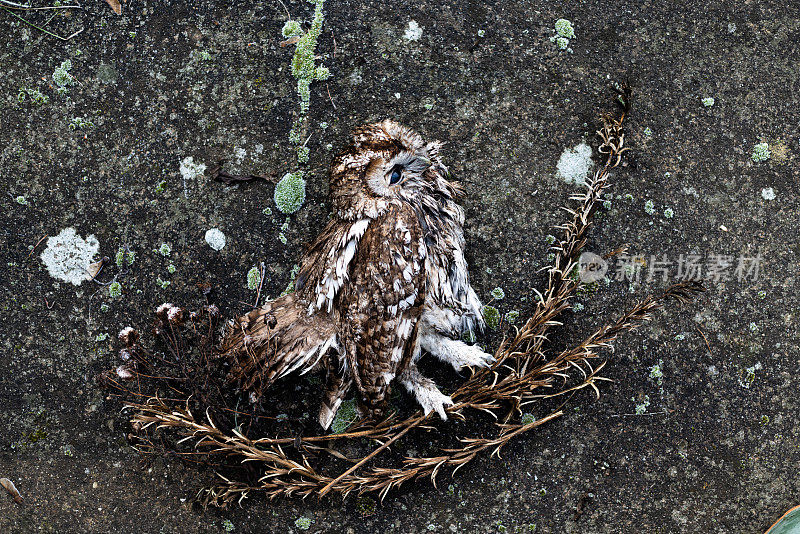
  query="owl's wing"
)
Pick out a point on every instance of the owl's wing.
point(381, 305)
point(326, 264)
point(275, 340)
point(315, 260)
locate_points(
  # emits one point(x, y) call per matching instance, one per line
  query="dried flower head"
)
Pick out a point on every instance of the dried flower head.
point(125, 372)
point(175, 315)
point(128, 336)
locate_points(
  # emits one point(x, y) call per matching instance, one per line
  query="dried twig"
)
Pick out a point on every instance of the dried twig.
point(22, 7)
point(261, 273)
point(704, 339)
point(221, 176)
point(29, 23)
point(35, 246)
point(328, 88)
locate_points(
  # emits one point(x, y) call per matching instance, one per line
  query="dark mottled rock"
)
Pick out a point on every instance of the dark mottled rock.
point(209, 81)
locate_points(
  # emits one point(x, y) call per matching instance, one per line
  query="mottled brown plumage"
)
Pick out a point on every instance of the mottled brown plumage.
point(382, 306)
point(385, 280)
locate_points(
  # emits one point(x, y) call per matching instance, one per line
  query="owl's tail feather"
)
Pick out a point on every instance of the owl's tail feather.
point(336, 388)
point(273, 341)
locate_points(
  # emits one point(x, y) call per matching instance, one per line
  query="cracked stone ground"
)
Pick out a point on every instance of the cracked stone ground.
point(715, 448)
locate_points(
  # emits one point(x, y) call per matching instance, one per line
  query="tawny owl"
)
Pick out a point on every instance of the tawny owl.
point(384, 281)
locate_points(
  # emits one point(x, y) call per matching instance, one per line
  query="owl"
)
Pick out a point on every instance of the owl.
point(384, 283)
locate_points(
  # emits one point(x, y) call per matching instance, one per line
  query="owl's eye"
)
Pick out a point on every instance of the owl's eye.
point(397, 174)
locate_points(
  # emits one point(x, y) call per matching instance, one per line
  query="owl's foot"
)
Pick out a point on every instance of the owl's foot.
point(455, 352)
point(425, 391)
point(471, 356)
point(431, 399)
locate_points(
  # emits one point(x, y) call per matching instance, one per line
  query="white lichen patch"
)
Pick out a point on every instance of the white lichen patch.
point(68, 256)
point(238, 155)
point(574, 164)
point(413, 32)
point(189, 172)
point(768, 193)
point(215, 238)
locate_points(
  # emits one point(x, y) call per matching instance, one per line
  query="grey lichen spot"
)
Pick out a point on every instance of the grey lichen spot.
point(498, 293)
point(114, 289)
point(253, 279)
point(761, 152)
point(574, 164)
point(491, 316)
point(345, 416)
point(62, 78)
point(303, 523)
point(68, 256)
point(528, 418)
point(748, 376)
point(641, 408)
point(564, 28)
point(564, 32)
point(215, 238)
point(413, 32)
point(189, 172)
point(657, 372)
point(106, 73)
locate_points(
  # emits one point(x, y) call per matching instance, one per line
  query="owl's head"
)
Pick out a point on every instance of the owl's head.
point(387, 163)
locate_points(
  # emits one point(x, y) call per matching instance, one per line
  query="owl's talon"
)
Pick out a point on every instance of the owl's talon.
point(434, 400)
point(472, 356)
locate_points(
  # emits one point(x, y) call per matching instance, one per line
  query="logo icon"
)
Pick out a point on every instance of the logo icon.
point(591, 267)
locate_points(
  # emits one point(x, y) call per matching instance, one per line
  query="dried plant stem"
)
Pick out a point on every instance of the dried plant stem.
point(368, 457)
point(29, 23)
point(283, 476)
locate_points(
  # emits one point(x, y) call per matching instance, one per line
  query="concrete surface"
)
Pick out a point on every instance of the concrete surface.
point(167, 81)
